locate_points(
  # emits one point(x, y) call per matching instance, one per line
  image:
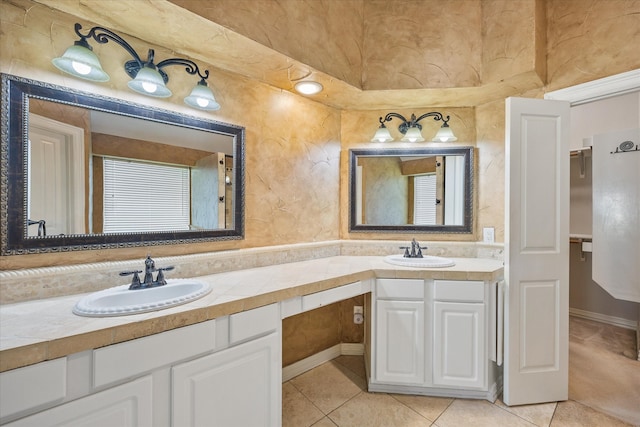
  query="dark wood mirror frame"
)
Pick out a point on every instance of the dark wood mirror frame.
point(16, 92)
point(466, 227)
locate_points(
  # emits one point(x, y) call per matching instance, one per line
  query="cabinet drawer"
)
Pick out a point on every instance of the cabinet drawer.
point(458, 290)
point(126, 360)
point(400, 288)
point(252, 323)
point(33, 386)
point(319, 299)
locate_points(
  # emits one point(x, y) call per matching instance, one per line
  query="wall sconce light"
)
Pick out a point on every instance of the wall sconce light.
point(411, 129)
point(147, 78)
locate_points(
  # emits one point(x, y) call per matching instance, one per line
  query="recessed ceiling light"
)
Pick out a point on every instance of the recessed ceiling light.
point(308, 88)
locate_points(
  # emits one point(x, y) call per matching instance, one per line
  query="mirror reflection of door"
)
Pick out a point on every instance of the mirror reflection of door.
point(228, 191)
point(55, 177)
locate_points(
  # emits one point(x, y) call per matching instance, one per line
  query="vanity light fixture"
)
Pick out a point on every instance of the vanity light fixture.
point(308, 87)
point(148, 78)
point(411, 129)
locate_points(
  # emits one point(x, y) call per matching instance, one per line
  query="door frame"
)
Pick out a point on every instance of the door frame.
point(595, 90)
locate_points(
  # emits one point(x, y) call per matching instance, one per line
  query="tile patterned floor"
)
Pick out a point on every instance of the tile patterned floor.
point(334, 394)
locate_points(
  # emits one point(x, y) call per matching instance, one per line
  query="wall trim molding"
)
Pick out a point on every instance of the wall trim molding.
point(307, 364)
point(604, 318)
point(607, 87)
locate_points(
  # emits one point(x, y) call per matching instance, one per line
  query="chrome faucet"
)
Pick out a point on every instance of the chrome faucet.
point(416, 250)
point(149, 269)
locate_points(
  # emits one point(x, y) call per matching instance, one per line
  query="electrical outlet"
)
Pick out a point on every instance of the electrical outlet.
point(488, 235)
point(358, 315)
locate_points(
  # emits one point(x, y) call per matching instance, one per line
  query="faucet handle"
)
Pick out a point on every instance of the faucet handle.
point(406, 251)
point(135, 281)
point(160, 280)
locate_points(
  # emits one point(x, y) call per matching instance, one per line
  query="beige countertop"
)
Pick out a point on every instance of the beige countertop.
point(35, 331)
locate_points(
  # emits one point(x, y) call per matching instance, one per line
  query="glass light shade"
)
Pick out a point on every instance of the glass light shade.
point(382, 135)
point(413, 135)
point(445, 134)
point(148, 81)
point(201, 97)
point(81, 62)
point(308, 88)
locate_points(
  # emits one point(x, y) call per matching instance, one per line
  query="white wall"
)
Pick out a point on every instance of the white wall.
point(606, 115)
point(616, 113)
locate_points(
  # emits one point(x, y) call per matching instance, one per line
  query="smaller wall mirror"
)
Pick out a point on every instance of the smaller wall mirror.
point(424, 190)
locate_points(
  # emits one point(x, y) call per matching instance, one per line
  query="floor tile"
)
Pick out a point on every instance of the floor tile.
point(600, 375)
point(297, 410)
point(539, 414)
point(478, 413)
point(574, 414)
point(429, 407)
point(326, 386)
point(603, 388)
point(354, 363)
point(376, 410)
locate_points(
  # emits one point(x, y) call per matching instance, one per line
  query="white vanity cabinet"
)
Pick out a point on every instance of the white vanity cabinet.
point(400, 331)
point(222, 372)
point(433, 337)
point(239, 386)
point(459, 334)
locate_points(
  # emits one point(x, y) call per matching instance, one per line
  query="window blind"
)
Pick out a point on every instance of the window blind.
point(424, 199)
point(141, 196)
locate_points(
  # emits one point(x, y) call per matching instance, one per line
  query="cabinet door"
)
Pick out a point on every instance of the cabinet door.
point(459, 347)
point(127, 405)
point(240, 386)
point(400, 342)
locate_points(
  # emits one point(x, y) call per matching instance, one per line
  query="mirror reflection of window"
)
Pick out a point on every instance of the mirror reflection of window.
point(424, 199)
point(142, 196)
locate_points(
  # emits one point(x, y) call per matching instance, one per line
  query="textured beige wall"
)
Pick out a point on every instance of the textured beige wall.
point(306, 334)
point(325, 34)
point(510, 38)
point(292, 144)
point(591, 39)
point(417, 44)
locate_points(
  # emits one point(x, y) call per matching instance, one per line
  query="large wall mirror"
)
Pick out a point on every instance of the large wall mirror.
point(81, 171)
point(424, 190)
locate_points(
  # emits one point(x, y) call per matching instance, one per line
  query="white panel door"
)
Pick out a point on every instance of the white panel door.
point(400, 342)
point(56, 176)
point(47, 193)
point(459, 345)
point(240, 386)
point(536, 251)
point(616, 213)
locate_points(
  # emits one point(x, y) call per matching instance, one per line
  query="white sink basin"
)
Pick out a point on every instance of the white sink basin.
point(427, 261)
point(120, 301)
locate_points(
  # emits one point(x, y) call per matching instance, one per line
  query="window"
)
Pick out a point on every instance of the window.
point(142, 197)
point(424, 199)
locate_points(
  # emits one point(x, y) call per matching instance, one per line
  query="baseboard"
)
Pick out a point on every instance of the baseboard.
point(603, 318)
point(304, 365)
